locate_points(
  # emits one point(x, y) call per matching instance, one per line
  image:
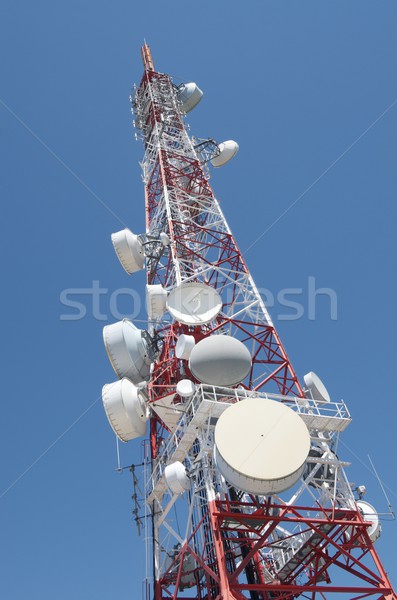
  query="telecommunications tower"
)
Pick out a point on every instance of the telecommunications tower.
point(246, 495)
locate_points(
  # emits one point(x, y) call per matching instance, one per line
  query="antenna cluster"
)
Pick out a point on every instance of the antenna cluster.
point(244, 453)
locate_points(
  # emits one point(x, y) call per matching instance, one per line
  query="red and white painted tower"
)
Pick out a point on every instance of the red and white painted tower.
point(247, 497)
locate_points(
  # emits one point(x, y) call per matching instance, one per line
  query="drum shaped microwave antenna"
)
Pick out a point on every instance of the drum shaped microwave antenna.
point(129, 250)
point(189, 95)
point(126, 409)
point(129, 350)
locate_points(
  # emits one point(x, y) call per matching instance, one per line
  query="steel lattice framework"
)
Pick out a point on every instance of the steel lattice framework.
point(217, 542)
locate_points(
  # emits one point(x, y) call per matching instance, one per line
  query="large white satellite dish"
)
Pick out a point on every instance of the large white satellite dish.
point(127, 350)
point(125, 409)
point(129, 250)
point(220, 360)
point(316, 388)
point(227, 150)
point(194, 303)
point(189, 95)
point(261, 446)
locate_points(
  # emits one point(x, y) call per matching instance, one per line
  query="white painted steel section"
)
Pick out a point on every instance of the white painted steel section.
point(168, 412)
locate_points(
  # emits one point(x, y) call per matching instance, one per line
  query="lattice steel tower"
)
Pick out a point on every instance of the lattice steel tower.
point(240, 450)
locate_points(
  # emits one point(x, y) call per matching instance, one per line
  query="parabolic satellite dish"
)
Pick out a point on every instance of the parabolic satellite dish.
point(125, 409)
point(194, 303)
point(369, 514)
point(261, 446)
point(316, 387)
point(220, 360)
point(227, 150)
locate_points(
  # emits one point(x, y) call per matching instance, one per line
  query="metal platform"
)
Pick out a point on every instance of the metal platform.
point(207, 405)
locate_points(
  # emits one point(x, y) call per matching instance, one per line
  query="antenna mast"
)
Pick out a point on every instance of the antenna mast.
point(241, 451)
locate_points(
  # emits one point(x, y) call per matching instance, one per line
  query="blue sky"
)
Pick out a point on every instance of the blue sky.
point(309, 91)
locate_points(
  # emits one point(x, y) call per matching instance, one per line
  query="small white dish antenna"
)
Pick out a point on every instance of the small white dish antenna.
point(127, 350)
point(261, 446)
point(185, 388)
point(316, 388)
point(227, 150)
point(369, 513)
point(156, 298)
point(177, 478)
point(184, 346)
point(220, 360)
point(164, 239)
point(126, 409)
point(194, 303)
point(189, 95)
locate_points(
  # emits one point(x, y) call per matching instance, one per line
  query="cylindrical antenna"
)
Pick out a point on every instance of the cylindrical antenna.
point(147, 58)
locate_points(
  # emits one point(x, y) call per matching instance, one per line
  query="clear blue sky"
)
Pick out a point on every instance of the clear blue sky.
point(296, 84)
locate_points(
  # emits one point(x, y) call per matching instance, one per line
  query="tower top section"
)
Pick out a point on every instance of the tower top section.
point(147, 58)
